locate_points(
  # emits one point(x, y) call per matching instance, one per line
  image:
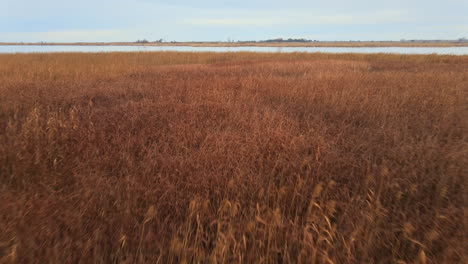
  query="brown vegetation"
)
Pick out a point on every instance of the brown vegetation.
point(233, 158)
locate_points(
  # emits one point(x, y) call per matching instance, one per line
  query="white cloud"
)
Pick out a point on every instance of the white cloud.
point(233, 21)
point(60, 36)
point(129, 20)
point(291, 18)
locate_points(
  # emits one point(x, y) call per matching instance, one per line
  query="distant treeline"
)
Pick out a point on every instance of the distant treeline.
point(147, 41)
point(402, 40)
point(288, 40)
point(295, 40)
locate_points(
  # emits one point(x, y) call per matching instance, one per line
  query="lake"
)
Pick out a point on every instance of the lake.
point(396, 50)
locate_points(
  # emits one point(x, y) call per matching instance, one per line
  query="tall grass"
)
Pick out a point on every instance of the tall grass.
point(233, 158)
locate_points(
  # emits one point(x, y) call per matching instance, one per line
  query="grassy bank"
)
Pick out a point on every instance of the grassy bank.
point(233, 158)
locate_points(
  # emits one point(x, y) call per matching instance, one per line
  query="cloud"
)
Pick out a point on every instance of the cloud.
point(294, 18)
point(233, 21)
point(128, 20)
point(68, 36)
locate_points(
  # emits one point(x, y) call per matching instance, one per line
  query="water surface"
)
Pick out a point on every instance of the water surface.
point(395, 50)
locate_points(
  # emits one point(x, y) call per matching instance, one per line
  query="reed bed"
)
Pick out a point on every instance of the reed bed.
point(233, 158)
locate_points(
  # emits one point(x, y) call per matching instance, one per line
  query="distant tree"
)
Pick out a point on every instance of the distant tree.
point(287, 40)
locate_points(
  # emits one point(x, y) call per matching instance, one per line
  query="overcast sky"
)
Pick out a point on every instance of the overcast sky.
point(211, 20)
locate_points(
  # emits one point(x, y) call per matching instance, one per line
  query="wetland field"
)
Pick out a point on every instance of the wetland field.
point(241, 157)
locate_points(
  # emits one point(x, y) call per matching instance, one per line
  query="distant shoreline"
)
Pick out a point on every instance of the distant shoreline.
point(344, 44)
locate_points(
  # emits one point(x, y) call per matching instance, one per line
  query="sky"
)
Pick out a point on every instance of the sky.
point(231, 20)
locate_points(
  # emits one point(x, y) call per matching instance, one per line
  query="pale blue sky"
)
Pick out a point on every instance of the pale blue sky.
point(211, 20)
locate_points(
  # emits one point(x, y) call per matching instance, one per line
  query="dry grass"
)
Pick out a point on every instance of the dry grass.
point(233, 158)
